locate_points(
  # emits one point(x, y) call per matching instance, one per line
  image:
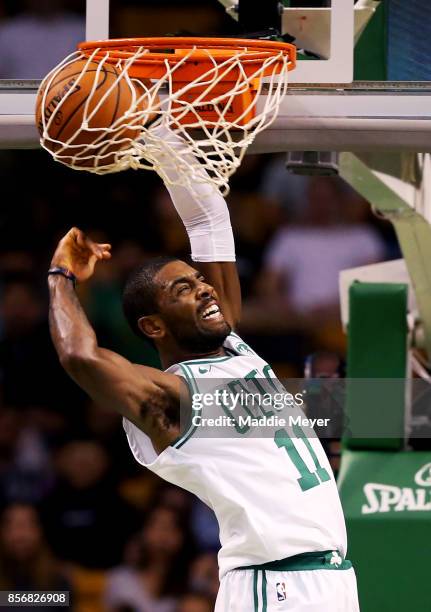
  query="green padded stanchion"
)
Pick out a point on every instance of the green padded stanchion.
point(376, 366)
point(386, 499)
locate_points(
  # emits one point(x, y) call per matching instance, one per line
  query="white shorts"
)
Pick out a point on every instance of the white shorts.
point(255, 590)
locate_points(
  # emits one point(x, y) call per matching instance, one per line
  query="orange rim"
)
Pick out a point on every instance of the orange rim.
point(174, 50)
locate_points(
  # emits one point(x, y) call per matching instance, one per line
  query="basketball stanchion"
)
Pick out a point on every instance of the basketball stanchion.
point(123, 103)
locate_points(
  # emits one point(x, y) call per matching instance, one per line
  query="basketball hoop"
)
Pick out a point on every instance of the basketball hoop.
point(202, 104)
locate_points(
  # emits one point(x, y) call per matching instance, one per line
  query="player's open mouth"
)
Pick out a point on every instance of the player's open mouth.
point(211, 312)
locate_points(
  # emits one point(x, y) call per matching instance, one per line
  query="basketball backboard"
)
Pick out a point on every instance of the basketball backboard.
point(324, 35)
point(386, 107)
point(340, 97)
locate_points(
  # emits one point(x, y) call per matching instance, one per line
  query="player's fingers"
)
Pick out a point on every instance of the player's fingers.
point(86, 243)
point(106, 249)
point(102, 251)
point(98, 251)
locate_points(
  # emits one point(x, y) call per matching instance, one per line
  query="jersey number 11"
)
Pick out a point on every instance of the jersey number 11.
point(308, 479)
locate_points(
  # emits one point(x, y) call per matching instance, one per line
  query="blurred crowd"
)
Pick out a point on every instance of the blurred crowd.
point(77, 513)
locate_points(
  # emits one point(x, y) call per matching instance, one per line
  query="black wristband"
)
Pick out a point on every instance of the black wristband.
point(63, 272)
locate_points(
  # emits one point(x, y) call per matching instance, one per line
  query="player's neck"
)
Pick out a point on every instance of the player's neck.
point(170, 357)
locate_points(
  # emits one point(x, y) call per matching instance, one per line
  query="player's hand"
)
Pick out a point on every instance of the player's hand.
point(79, 254)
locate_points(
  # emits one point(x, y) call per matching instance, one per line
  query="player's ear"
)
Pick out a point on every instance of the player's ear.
point(152, 326)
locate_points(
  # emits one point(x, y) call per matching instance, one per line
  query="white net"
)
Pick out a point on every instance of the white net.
point(187, 132)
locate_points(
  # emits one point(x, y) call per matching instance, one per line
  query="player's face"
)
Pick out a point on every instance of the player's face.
point(190, 308)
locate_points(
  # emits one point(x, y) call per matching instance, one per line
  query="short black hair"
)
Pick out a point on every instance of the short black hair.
point(139, 294)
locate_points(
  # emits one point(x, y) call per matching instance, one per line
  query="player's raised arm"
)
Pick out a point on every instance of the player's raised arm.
point(144, 395)
point(205, 215)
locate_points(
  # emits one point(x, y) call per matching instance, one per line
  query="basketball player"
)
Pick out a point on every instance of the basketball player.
point(282, 531)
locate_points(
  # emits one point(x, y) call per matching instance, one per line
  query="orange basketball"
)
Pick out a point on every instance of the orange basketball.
point(71, 98)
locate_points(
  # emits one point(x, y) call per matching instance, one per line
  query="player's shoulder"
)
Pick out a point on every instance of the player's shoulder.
point(235, 345)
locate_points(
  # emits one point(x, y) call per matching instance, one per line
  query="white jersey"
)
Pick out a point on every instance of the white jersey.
point(274, 494)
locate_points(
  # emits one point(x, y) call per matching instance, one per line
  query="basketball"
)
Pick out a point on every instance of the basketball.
point(80, 91)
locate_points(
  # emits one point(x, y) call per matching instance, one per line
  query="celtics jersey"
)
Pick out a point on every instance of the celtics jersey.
point(271, 487)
